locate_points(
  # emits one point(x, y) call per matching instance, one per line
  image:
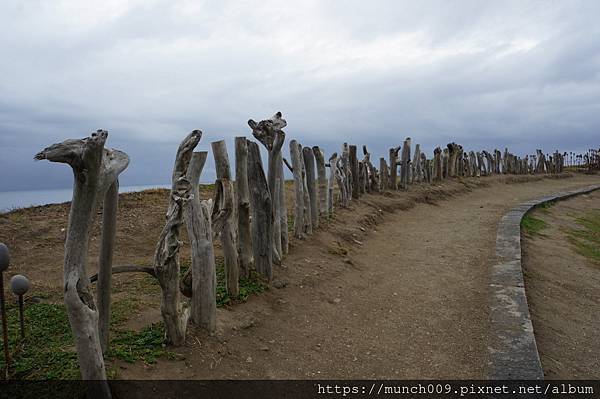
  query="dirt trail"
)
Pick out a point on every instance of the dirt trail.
point(406, 298)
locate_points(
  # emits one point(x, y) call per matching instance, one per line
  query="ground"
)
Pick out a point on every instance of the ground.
point(561, 262)
point(395, 286)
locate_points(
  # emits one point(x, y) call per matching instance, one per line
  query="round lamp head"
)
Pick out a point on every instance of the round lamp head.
point(4, 257)
point(19, 285)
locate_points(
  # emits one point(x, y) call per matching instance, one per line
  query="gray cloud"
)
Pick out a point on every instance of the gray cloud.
point(487, 74)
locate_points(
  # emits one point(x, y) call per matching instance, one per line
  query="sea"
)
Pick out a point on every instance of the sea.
point(10, 200)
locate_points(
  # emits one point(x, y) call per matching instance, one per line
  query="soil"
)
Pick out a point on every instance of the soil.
point(563, 292)
point(395, 286)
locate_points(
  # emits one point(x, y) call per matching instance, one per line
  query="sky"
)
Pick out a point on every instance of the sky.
point(516, 74)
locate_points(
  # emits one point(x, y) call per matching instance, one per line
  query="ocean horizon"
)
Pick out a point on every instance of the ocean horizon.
point(10, 200)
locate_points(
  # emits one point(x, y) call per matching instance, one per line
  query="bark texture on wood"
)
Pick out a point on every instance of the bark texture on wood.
point(262, 213)
point(297, 167)
point(95, 169)
point(202, 272)
point(242, 195)
point(309, 167)
point(107, 247)
point(224, 212)
point(321, 179)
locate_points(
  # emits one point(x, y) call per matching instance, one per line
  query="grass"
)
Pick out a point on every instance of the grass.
point(586, 239)
point(531, 225)
point(48, 350)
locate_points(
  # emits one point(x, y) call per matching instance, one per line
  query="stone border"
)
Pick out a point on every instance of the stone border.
point(513, 350)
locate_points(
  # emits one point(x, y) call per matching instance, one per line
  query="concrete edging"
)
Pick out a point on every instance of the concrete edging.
point(513, 350)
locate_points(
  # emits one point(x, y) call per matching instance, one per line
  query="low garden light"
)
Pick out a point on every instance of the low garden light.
point(19, 285)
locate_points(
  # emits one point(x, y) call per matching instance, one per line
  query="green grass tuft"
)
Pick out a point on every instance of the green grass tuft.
point(587, 238)
point(531, 225)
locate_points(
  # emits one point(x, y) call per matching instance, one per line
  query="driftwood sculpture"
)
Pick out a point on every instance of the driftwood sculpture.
point(203, 284)
point(321, 179)
point(404, 169)
point(262, 213)
point(242, 196)
point(166, 257)
point(223, 216)
point(269, 132)
point(296, 168)
point(393, 175)
point(95, 170)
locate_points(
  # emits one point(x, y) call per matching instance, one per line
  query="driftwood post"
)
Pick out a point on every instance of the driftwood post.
point(296, 155)
point(283, 212)
point(383, 175)
point(342, 182)
point(262, 213)
point(352, 156)
point(224, 208)
point(321, 179)
point(346, 170)
point(204, 277)
point(331, 183)
point(166, 255)
point(309, 167)
point(393, 176)
point(404, 175)
point(242, 195)
point(437, 164)
point(107, 247)
point(417, 175)
point(269, 133)
point(95, 169)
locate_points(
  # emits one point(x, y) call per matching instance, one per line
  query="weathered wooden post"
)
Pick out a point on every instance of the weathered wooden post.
point(393, 180)
point(331, 183)
point(321, 179)
point(95, 169)
point(437, 164)
point(107, 247)
point(417, 168)
point(308, 227)
point(445, 163)
point(262, 213)
point(383, 175)
point(224, 206)
point(242, 195)
point(342, 182)
point(269, 132)
point(296, 155)
point(283, 212)
point(309, 167)
point(352, 158)
point(405, 164)
point(198, 222)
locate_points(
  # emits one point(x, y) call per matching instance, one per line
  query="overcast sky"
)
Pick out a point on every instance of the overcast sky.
point(485, 74)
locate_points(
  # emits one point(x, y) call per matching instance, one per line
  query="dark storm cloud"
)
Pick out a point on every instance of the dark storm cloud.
point(488, 74)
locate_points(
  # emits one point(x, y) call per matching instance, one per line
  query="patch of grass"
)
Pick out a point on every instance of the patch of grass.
point(248, 286)
point(47, 352)
point(587, 238)
point(545, 207)
point(531, 225)
point(146, 345)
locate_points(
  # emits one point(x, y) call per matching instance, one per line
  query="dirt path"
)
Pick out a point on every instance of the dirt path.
point(562, 281)
point(408, 298)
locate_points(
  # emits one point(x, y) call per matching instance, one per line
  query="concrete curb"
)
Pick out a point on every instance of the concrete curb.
point(512, 351)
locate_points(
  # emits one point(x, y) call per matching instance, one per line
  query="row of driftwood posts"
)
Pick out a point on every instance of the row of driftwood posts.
point(249, 216)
